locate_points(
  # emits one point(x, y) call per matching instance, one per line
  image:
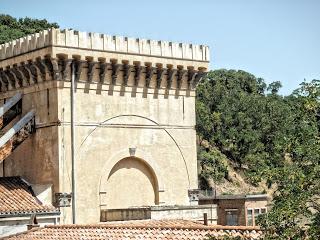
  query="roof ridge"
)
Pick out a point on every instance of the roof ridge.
point(143, 226)
point(20, 198)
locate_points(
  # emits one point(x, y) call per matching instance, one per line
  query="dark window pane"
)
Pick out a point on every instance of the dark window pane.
point(256, 214)
point(232, 218)
point(249, 217)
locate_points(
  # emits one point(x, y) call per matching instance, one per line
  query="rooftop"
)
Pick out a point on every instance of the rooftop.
point(145, 229)
point(17, 198)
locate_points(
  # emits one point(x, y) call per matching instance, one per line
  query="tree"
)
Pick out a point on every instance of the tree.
point(212, 165)
point(274, 87)
point(276, 137)
point(296, 206)
point(12, 28)
point(236, 116)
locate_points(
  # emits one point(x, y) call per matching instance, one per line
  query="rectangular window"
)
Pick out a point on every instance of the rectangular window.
point(252, 215)
point(232, 217)
point(249, 217)
point(256, 214)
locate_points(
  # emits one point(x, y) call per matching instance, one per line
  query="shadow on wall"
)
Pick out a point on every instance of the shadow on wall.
point(132, 183)
point(133, 90)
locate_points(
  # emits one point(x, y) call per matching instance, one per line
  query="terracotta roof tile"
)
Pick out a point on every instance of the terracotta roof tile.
point(17, 197)
point(136, 230)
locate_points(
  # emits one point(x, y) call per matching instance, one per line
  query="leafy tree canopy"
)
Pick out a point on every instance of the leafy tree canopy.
point(272, 137)
point(12, 28)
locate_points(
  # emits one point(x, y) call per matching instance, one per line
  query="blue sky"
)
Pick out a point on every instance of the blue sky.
point(278, 40)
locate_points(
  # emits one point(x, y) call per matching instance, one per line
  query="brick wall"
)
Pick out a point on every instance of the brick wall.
point(238, 205)
point(227, 204)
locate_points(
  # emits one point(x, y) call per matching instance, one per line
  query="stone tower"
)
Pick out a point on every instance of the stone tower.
point(134, 116)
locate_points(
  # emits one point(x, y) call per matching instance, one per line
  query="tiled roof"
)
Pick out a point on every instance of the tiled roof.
point(142, 230)
point(17, 198)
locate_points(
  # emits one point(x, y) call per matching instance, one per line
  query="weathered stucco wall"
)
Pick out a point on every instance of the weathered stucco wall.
point(160, 129)
point(36, 159)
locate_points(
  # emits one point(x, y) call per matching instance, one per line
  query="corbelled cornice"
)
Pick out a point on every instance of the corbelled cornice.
point(49, 69)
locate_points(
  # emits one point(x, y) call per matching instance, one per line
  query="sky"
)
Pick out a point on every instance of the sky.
point(278, 40)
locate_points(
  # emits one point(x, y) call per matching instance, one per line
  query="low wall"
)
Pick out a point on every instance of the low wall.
point(185, 212)
point(125, 214)
point(161, 212)
point(13, 225)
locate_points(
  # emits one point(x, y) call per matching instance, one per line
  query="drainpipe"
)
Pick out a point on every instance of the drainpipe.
point(73, 171)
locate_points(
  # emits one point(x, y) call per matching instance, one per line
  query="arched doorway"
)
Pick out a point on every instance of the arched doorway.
point(131, 183)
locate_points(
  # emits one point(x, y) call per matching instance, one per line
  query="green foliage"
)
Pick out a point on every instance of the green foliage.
point(292, 209)
point(12, 28)
point(274, 87)
point(276, 137)
point(234, 115)
point(296, 203)
point(212, 165)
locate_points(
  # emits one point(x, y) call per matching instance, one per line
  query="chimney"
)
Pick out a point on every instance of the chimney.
point(205, 219)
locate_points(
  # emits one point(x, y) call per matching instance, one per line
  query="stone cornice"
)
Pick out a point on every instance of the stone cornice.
point(110, 73)
point(102, 42)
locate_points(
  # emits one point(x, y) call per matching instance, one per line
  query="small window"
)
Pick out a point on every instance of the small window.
point(232, 218)
point(252, 215)
point(249, 217)
point(256, 214)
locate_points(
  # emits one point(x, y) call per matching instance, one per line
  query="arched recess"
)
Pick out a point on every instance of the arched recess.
point(84, 141)
point(131, 183)
point(113, 163)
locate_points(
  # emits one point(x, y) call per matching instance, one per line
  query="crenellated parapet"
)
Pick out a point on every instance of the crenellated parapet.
point(103, 42)
point(100, 58)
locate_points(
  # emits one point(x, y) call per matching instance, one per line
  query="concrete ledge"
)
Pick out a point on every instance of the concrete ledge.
point(161, 212)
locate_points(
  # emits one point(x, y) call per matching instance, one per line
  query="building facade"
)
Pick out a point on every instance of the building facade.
point(238, 210)
point(134, 118)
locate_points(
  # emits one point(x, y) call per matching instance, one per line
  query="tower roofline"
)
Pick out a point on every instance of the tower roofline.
point(102, 42)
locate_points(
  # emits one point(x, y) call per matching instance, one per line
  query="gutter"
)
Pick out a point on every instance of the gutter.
point(40, 214)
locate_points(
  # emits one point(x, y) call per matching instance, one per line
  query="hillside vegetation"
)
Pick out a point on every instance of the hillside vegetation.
point(243, 124)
